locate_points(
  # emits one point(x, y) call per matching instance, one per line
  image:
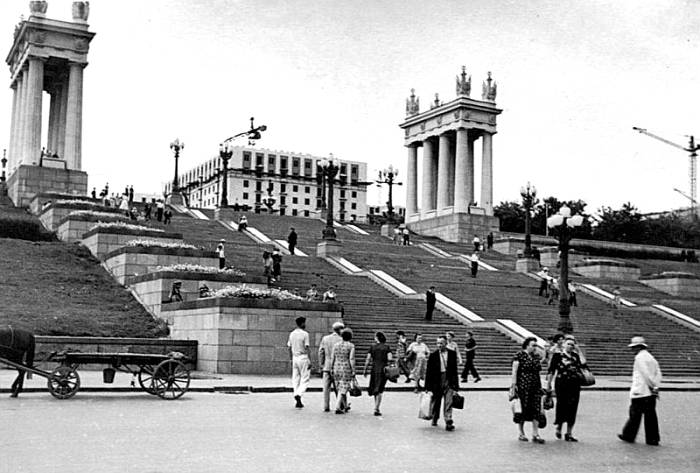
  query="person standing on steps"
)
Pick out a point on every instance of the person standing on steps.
point(221, 254)
point(276, 264)
point(402, 363)
point(646, 379)
point(489, 241)
point(430, 300)
point(476, 242)
point(298, 344)
point(406, 237)
point(544, 282)
point(325, 352)
point(292, 240)
point(441, 379)
point(474, 263)
point(470, 354)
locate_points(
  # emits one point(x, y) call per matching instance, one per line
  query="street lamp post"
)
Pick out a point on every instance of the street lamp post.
point(565, 223)
point(4, 163)
point(388, 176)
point(201, 189)
point(176, 146)
point(330, 170)
point(218, 180)
point(529, 195)
point(225, 153)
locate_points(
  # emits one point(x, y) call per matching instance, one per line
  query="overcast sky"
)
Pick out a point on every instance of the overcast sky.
point(330, 76)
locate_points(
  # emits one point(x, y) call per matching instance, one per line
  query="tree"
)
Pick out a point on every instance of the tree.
point(625, 225)
point(511, 216)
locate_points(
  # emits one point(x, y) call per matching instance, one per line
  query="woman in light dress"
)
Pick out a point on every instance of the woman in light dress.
point(420, 352)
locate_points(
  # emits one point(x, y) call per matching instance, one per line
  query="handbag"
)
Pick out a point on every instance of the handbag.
point(586, 377)
point(515, 406)
point(355, 390)
point(457, 400)
point(392, 373)
point(425, 401)
point(541, 420)
point(547, 401)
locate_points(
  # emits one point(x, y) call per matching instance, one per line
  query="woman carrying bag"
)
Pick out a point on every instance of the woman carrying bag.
point(565, 369)
point(343, 369)
point(380, 356)
point(527, 388)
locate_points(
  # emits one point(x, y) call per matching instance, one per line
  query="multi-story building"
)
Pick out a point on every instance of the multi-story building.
point(293, 180)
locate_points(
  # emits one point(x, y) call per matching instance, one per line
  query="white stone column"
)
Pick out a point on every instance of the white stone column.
point(443, 188)
point(74, 117)
point(51, 141)
point(34, 102)
point(13, 123)
point(461, 171)
point(428, 198)
point(22, 132)
point(412, 181)
point(487, 174)
point(451, 174)
point(61, 131)
point(470, 169)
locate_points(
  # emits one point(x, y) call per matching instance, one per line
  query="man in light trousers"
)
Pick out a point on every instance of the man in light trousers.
point(325, 350)
point(301, 365)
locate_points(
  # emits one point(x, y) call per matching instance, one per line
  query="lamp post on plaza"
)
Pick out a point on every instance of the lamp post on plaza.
point(564, 222)
point(201, 189)
point(218, 179)
point(176, 146)
point(388, 176)
point(527, 263)
point(226, 151)
point(4, 163)
point(330, 170)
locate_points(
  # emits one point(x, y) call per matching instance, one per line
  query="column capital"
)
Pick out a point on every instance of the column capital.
point(82, 65)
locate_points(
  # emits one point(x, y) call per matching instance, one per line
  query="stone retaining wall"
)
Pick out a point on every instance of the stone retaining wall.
point(53, 215)
point(28, 181)
point(154, 288)
point(131, 261)
point(36, 205)
point(675, 284)
point(607, 269)
point(550, 257)
point(248, 336)
point(163, 346)
point(101, 241)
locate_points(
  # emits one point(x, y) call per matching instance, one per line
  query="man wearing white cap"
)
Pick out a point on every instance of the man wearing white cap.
point(646, 378)
point(325, 350)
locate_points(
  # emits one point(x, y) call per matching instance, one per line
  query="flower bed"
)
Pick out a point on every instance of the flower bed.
point(160, 244)
point(53, 214)
point(105, 237)
point(73, 226)
point(246, 292)
point(196, 268)
point(136, 259)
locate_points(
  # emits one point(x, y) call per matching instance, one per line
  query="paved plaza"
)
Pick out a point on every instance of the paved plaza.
point(216, 432)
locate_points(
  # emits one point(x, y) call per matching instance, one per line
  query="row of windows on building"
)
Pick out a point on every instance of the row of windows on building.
point(295, 188)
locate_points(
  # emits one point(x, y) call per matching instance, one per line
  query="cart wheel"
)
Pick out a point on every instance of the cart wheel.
point(64, 382)
point(171, 379)
point(146, 379)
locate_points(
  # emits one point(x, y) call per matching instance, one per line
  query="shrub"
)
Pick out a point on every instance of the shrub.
point(24, 227)
point(125, 226)
point(160, 244)
point(246, 292)
point(196, 268)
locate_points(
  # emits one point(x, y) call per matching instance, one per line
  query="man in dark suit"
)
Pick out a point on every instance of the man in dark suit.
point(442, 380)
point(429, 303)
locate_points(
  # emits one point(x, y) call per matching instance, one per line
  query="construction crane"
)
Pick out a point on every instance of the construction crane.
point(692, 148)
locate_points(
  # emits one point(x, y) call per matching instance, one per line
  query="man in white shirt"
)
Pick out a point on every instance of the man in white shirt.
point(298, 344)
point(474, 263)
point(325, 350)
point(477, 243)
point(646, 378)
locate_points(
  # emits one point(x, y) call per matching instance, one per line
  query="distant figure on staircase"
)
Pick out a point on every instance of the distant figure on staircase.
point(147, 211)
point(474, 263)
point(312, 293)
point(329, 295)
point(292, 240)
point(221, 253)
point(489, 241)
point(476, 242)
point(572, 294)
point(93, 193)
point(242, 223)
point(175, 295)
point(616, 298)
point(267, 267)
point(401, 361)
point(406, 237)
point(553, 291)
point(429, 303)
point(131, 195)
point(277, 264)
point(470, 354)
point(160, 206)
point(167, 216)
point(544, 282)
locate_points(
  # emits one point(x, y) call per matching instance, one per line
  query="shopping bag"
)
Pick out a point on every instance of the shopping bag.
point(515, 406)
point(425, 401)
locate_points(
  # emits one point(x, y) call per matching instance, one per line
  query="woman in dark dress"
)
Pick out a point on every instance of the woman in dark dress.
point(564, 369)
point(380, 355)
point(527, 387)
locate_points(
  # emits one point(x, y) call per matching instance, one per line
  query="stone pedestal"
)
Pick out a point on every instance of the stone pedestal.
point(527, 265)
point(456, 227)
point(226, 214)
point(27, 181)
point(328, 248)
point(677, 284)
point(5, 200)
point(387, 230)
point(175, 199)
